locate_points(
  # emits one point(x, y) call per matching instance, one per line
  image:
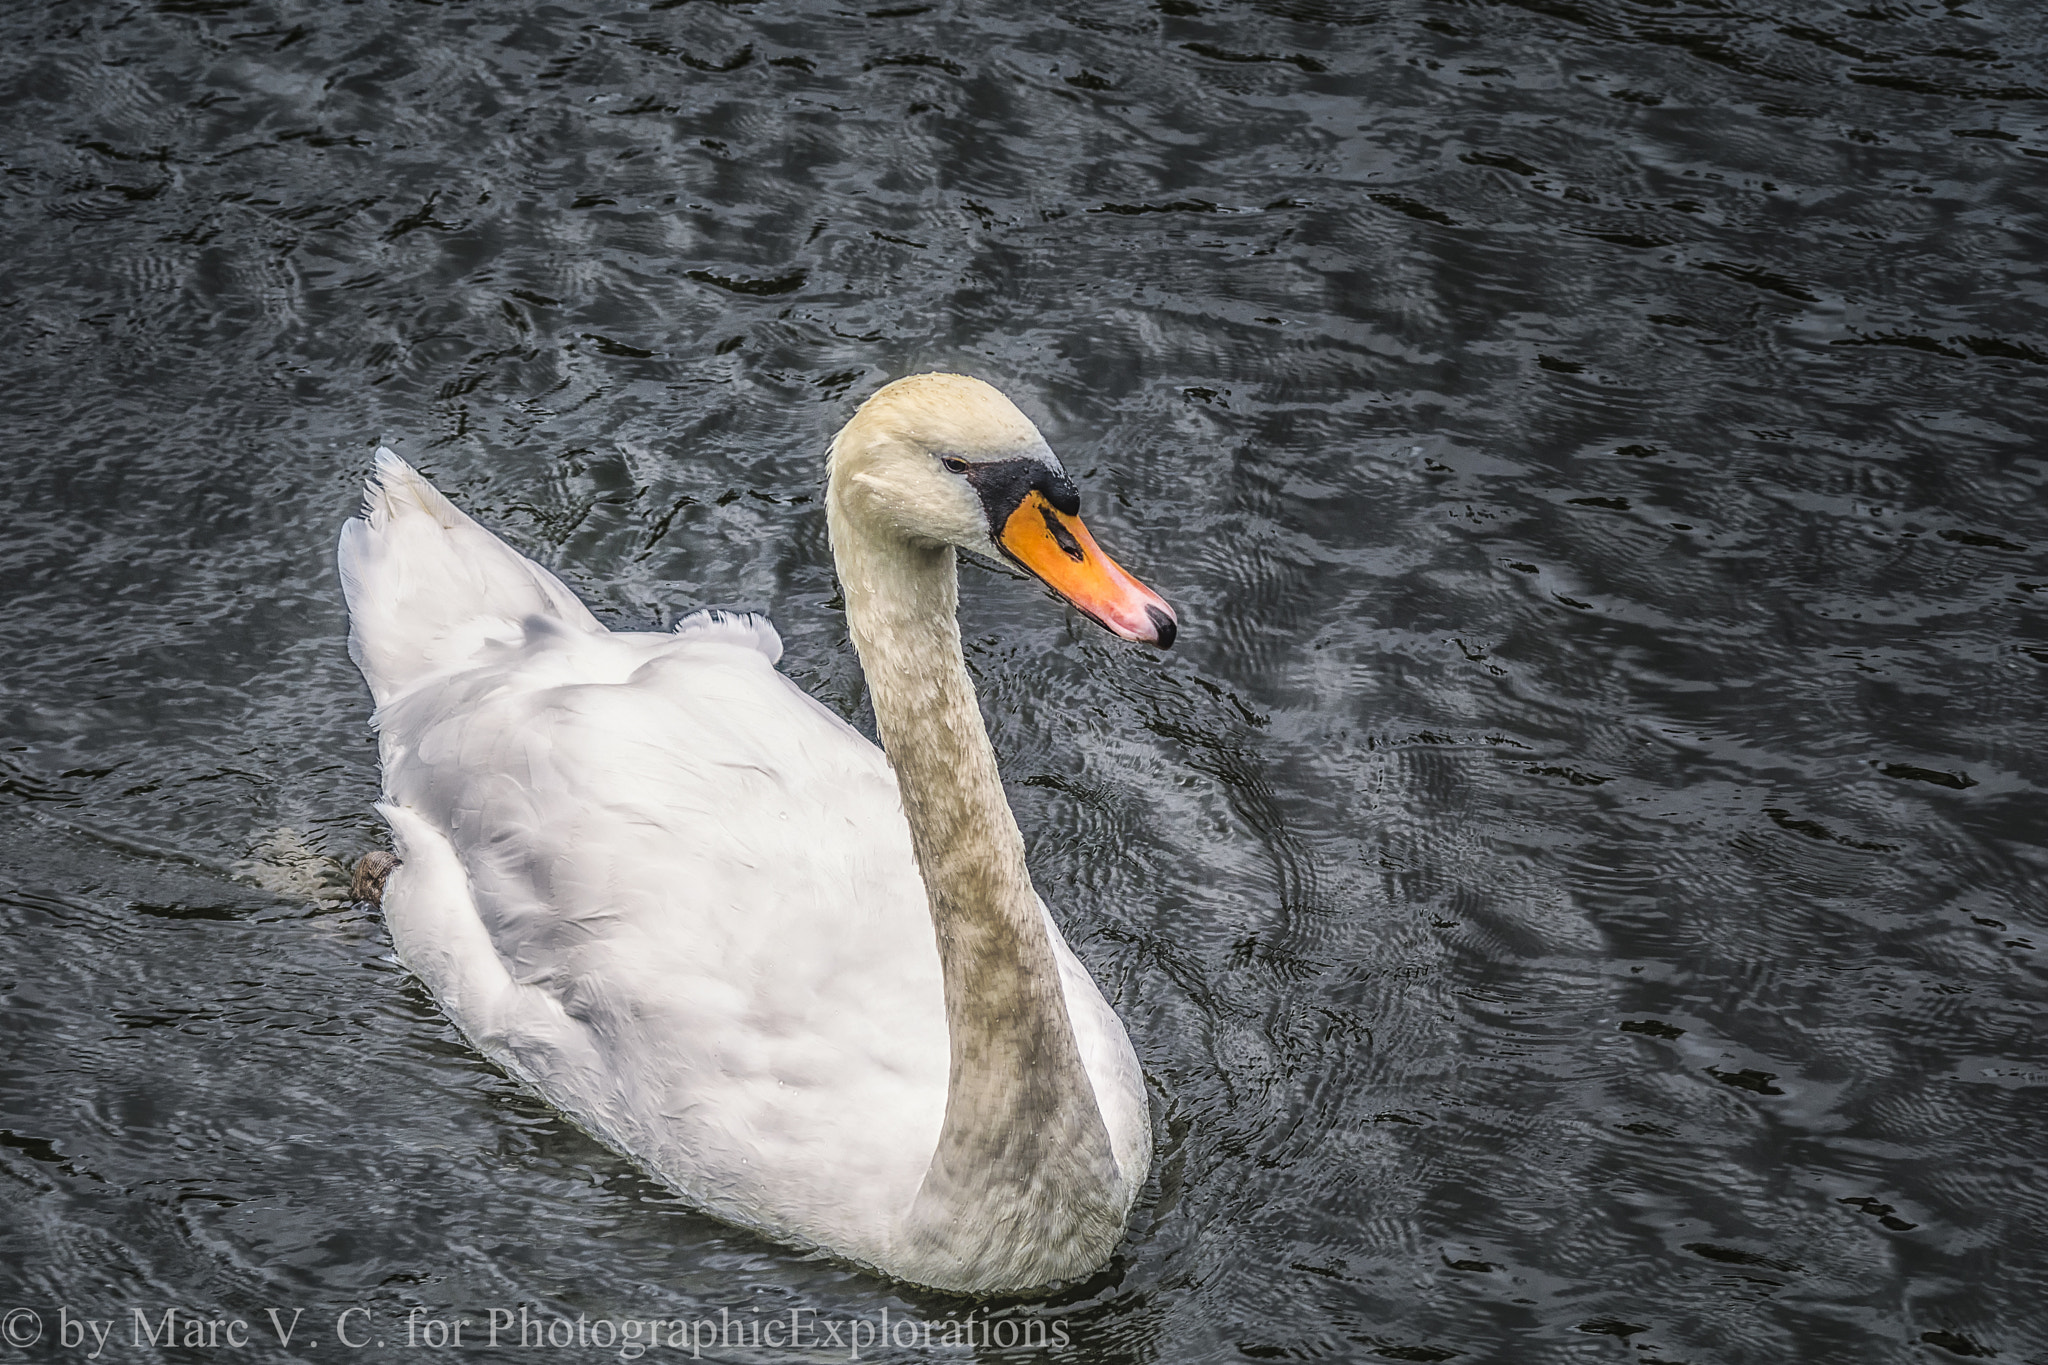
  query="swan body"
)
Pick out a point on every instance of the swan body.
point(806, 983)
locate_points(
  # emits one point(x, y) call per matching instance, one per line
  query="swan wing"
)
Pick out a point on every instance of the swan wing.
point(691, 901)
point(652, 878)
point(1111, 1063)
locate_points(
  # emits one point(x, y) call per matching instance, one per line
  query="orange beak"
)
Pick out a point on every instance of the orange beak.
point(1059, 550)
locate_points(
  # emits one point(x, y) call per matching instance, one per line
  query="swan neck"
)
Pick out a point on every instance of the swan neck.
point(1023, 1142)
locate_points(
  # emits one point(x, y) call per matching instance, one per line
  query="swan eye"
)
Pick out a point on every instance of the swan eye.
point(954, 463)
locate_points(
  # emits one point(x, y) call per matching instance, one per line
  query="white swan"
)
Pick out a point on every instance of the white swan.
point(703, 917)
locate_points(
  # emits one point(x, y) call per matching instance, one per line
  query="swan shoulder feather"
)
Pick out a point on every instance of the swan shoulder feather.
point(735, 627)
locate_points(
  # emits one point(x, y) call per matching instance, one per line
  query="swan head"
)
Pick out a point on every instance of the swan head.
point(943, 459)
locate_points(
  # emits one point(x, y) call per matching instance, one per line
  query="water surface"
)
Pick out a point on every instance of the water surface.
point(1575, 888)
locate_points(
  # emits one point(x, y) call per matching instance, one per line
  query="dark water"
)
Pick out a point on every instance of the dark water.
point(1576, 890)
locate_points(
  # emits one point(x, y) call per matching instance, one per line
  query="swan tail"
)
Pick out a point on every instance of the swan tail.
point(428, 588)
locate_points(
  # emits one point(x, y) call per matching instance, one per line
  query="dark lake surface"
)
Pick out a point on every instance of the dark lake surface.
point(1576, 888)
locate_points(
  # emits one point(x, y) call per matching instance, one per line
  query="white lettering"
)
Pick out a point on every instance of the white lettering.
point(284, 1334)
point(341, 1328)
point(169, 1326)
